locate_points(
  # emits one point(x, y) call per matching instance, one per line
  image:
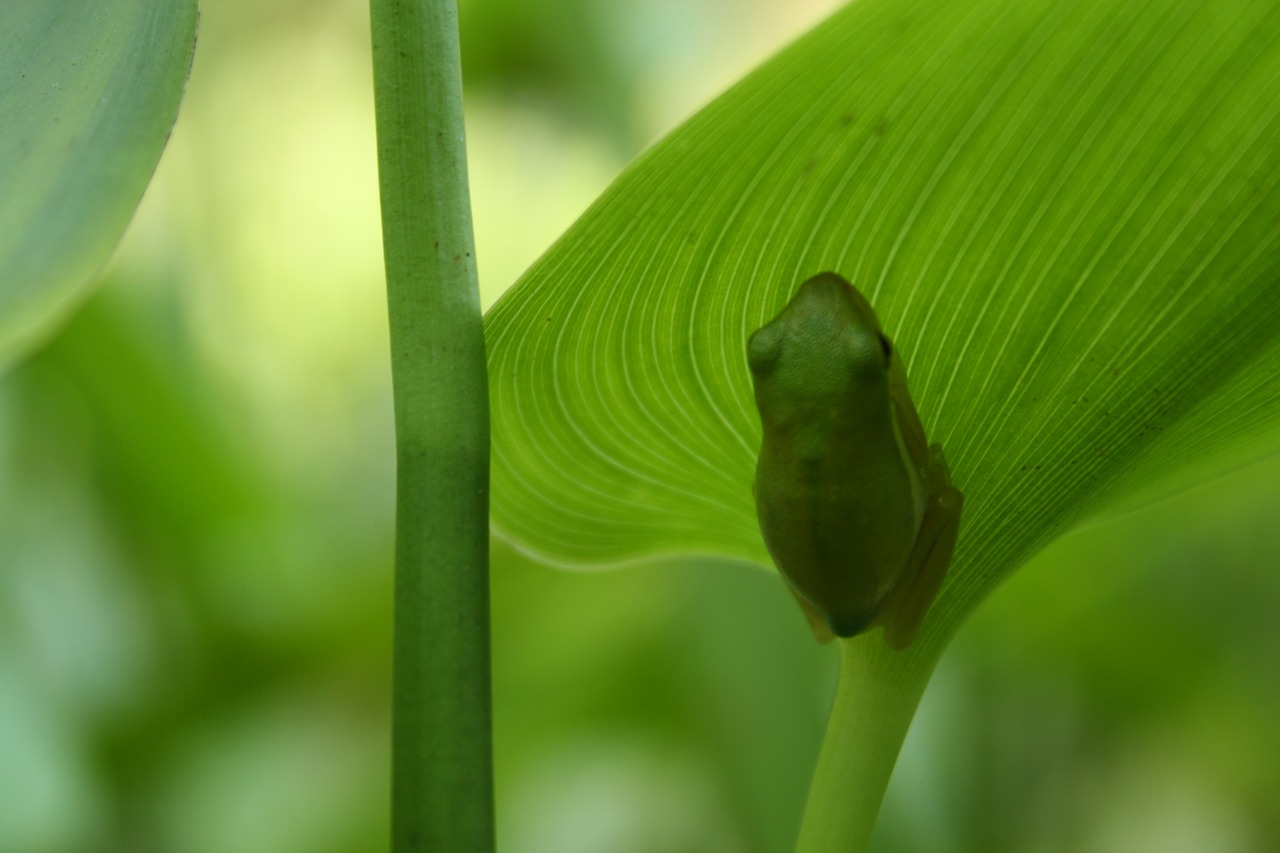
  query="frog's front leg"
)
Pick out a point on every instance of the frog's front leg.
point(930, 556)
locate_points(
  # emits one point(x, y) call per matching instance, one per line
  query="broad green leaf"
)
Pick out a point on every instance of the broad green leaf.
point(1066, 215)
point(88, 93)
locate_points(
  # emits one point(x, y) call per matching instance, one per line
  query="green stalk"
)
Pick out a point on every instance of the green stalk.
point(876, 697)
point(442, 753)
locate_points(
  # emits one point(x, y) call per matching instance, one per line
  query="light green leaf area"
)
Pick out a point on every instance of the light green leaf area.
point(1066, 215)
point(88, 93)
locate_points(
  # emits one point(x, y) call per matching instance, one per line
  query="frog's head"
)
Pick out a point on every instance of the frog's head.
point(824, 349)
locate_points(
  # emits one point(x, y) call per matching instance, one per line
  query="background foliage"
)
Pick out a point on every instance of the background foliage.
point(195, 509)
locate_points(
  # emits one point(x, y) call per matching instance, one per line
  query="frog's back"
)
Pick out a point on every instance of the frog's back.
point(839, 526)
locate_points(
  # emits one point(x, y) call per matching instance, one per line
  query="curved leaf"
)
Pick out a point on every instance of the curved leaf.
point(1066, 214)
point(88, 92)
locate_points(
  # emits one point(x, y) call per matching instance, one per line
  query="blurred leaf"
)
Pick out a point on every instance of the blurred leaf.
point(88, 93)
point(155, 426)
point(556, 51)
point(1066, 214)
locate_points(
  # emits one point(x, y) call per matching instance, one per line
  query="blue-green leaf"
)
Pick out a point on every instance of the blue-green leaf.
point(88, 92)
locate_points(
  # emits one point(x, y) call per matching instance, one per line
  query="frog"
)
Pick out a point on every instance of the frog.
point(856, 508)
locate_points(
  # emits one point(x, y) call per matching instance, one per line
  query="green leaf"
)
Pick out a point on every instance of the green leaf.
point(88, 92)
point(1066, 215)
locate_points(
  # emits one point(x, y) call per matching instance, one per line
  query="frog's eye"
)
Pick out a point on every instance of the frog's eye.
point(763, 348)
point(886, 346)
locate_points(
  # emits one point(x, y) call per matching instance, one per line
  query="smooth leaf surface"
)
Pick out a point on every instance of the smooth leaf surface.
point(88, 92)
point(1067, 216)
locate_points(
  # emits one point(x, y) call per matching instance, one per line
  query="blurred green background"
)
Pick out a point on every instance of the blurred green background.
point(196, 505)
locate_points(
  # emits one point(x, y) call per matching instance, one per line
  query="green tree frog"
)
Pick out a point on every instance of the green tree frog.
point(856, 508)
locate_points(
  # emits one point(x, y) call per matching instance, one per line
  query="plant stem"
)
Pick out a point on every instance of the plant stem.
point(442, 754)
point(876, 697)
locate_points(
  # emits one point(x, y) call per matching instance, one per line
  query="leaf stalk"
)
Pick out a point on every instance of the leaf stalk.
point(876, 697)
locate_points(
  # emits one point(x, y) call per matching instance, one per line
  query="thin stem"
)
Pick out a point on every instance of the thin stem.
point(876, 697)
point(442, 755)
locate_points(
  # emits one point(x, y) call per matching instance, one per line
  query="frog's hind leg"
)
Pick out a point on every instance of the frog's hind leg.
point(926, 567)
